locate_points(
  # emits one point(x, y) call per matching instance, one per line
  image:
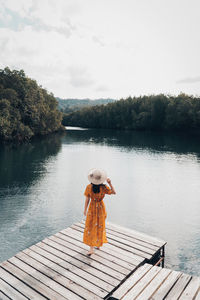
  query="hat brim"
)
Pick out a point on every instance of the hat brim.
point(97, 181)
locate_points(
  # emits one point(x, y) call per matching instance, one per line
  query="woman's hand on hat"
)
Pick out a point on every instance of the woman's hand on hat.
point(108, 181)
point(110, 184)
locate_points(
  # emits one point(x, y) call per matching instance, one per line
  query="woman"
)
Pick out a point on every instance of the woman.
point(95, 233)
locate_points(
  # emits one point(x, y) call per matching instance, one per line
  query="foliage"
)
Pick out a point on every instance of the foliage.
point(155, 112)
point(26, 109)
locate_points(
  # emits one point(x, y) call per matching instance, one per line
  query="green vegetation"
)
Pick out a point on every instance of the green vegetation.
point(156, 112)
point(26, 109)
point(71, 105)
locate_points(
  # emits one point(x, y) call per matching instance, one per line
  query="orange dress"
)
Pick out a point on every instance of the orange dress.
point(95, 232)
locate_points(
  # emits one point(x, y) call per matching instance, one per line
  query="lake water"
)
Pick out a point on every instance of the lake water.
point(156, 177)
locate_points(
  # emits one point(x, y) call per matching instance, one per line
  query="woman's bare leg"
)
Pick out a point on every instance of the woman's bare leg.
point(91, 251)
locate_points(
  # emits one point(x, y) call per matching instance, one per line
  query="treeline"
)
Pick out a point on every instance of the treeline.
point(26, 109)
point(71, 105)
point(156, 112)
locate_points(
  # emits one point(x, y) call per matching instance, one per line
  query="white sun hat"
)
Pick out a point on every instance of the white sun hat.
point(97, 176)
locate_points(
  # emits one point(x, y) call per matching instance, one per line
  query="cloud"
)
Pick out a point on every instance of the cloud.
point(65, 30)
point(21, 7)
point(75, 49)
point(40, 16)
point(79, 76)
point(97, 40)
point(3, 44)
point(189, 80)
point(102, 88)
point(35, 52)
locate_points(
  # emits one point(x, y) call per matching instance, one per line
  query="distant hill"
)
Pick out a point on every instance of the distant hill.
point(71, 105)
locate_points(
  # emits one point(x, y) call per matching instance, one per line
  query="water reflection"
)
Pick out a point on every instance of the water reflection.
point(178, 143)
point(23, 164)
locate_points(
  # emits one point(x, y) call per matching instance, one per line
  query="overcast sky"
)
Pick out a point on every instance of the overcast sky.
point(104, 48)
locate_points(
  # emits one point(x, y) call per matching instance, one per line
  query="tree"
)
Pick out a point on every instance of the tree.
point(26, 109)
point(155, 112)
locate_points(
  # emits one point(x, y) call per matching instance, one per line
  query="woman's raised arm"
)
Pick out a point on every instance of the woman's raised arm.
point(111, 187)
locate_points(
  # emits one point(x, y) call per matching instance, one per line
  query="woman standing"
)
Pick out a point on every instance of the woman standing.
point(94, 232)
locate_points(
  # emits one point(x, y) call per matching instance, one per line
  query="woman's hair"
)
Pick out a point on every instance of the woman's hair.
point(96, 187)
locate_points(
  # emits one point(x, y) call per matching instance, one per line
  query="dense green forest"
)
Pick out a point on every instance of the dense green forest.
point(71, 105)
point(156, 112)
point(26, 109)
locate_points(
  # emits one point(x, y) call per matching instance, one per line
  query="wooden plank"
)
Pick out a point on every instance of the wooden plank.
point(167, 285)
point(77, 232)
point(130, 249)
point(115, 243)
point(108, 248)
point(106, 262)
point(135, 259)
point(4, 297)
point(154, 284)
point(197, 297)
point(82, 263)
point(82, 258)
point(132, 239)
point(52, 260)
point(131, 281)
point(136, 243)
point(179, 287)
point(104, 268)
point(141, 285)
point(122, 240)
point(59, 275)
point(21, 286)
point(133, 233)
point(95, 256)
point(120, 245)
point(43, 284)
point(121, 257)
point(111, 258)
point(191, 290)
point(10, 291)
point(79, 276)
point(131, 244)
point(128, 238)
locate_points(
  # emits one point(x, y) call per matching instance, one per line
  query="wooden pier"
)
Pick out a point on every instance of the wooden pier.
point(156, 283)
point(58, 268)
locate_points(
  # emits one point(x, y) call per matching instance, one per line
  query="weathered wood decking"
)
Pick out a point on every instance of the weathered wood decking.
point(156, 283)
point(58, 267)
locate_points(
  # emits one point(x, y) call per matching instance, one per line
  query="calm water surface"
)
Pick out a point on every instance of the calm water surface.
point(156, 177)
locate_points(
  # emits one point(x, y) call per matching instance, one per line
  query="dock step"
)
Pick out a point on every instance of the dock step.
point(156, 283)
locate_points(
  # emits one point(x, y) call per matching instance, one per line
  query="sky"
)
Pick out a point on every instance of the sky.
point(104, 48)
